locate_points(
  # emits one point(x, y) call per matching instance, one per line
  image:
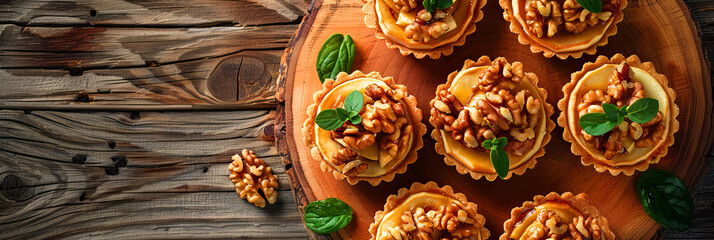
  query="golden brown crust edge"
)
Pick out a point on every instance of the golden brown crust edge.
point(372, 21)
point(578, 202)
point(519, 170)
point(586, 159)
point(514, 26)
point(309, 125)
point(394, 200)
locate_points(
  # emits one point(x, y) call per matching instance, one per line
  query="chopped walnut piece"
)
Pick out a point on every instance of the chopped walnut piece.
point(450, 222)
point(503, 110)
point(544, 17)
point(250, 174)
point(405, 5)
point(549, 225)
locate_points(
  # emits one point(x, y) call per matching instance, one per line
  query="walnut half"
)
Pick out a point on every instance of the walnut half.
point(249, 174)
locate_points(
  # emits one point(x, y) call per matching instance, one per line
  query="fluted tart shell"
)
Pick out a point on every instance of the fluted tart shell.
point(444, 45)
point(628, 164)
point(394, 201)
point(414, 115)
point(577, 44)
point(523, 165)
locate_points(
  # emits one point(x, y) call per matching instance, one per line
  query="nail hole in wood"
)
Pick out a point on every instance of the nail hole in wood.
point(83, 96)
point(111, 170)
point(288, 166)
point(93, 13)
point(75, 71)
point(26, 111)
point(112, 144)
point(119, 161)
point(83, 196)
point(79, 159)
point(205, 169)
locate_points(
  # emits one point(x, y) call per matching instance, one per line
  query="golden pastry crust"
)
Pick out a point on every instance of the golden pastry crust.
point(411, 106)
point(519, 170)
point(578, 202)
point(372, 21)
point(535, 47)
point(569, 134)
point(394, 200)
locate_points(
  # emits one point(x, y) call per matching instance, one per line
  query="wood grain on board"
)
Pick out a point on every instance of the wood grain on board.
point(661, 32)
point(56, 178)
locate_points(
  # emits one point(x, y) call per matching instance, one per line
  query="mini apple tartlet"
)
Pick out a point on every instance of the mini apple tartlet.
point(618, 114)
point(491, 119)
point(562, 27)
point(363, 127)
point(557, 217)
point(423, 28)
point(426, 211)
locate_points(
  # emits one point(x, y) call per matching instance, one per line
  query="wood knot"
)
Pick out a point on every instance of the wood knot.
point(14, 188)
point(83, 96)
point(238, 77)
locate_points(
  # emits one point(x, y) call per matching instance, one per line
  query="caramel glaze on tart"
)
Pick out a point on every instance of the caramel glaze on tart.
point(630, 146)
point(562, 27)
point(485, 100)
point(407, 26)
point(557, 216)
point(381, 145)
point(426, 211)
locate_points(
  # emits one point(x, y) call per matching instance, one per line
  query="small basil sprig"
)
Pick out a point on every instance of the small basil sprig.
point(432, 5)
point(336, 55)
point(665, 199)
point(328, 215)
point(641, 111)
point(499, 158)
point(331, 119)
point(594, 6)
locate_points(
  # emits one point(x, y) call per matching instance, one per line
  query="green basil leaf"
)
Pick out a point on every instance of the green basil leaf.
point(354, 101)
point(499, 159)
point(621, 114)
point(665, 199)
point(342, 113)
point(643, 110)
point(329, 119)
point(356, 119)
point(596, 124)
point(594, 6)
point(501, 142)
point(336, 55)
point(610, 111)
point(487, 144)
point(429, 5)
point(327, 216)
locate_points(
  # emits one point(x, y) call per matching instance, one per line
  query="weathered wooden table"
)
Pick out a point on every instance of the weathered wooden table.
point(172, 89)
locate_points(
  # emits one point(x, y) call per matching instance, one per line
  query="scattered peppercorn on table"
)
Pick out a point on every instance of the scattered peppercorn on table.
point(119, 119)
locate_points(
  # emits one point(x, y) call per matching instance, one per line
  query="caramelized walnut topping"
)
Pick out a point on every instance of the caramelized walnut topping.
point(405, 5)
point(450, 221)
point(544, 17)
point(549, 225)
point(250, 174)
point(503, 111)
point(621, 91)
point(384, 122)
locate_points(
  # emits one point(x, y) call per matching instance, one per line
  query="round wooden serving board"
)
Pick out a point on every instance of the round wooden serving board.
point(661, 32)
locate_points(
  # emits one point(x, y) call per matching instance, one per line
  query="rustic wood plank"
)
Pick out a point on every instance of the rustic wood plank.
point(175, 183)
point(157, 13)
point(199, 84)
point(86, 48)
